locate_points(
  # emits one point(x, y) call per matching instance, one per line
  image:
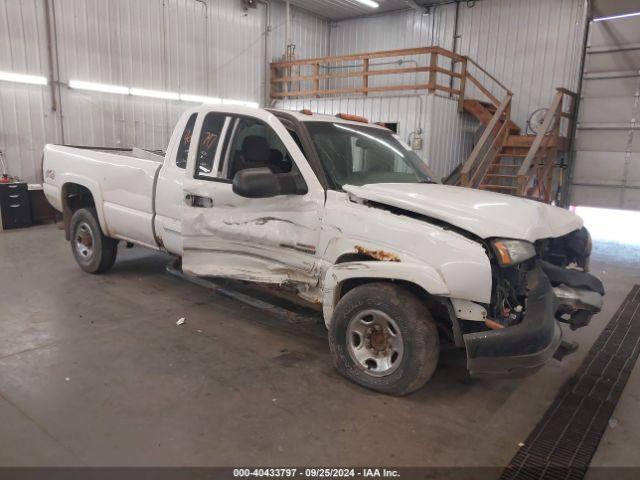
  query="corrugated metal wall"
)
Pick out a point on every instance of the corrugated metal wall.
point(26, 120)
point(532, 47)
point(213, 48)
point(449, 135)
point(216, 48)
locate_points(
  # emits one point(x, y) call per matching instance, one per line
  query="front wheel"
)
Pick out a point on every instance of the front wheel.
point(93, 251)
point(383, 337)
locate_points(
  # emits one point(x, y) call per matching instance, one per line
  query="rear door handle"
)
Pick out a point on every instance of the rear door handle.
point(198, 201)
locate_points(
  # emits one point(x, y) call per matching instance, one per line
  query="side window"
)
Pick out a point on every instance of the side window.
point(256, 145)
point(212, 129)
point(185, 141)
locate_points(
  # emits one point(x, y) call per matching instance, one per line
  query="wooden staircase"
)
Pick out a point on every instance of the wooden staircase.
point(506, 161)
point(503, 160)
point(484, 111)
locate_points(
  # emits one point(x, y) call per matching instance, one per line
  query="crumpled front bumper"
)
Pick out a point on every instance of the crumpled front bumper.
point(522, 348)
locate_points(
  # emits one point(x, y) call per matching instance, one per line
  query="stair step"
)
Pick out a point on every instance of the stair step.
point(523, 155)
point(500, 175)
point(498, 187)
point(484, 112)
point(499, 165)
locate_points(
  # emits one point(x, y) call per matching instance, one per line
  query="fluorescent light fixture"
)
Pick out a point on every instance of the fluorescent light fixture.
point(615, 17)
point(141, 92)
point(21, 78)
point(369, 3)
point(242, 103)
point(199, 99)
point(98, 87)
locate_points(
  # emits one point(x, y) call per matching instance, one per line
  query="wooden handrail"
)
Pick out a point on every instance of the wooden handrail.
point(481, 87)
point(388, 88)
point(475, 157)
point(490, 76)
point(403, 52)
point(552, 120)
point(368, 73)
point(282, 78)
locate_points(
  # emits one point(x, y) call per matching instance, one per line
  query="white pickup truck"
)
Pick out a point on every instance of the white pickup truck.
point(341, 211)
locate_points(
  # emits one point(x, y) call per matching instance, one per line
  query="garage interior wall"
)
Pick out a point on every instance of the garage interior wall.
point(606, 167)
point(210, 48)
point(216, 48)
point(532, 47)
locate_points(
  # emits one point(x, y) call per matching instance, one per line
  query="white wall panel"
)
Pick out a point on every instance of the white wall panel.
point(210, 47)
point(532, 47)
point(26, 119)
point(309, 33)
point(449, 135)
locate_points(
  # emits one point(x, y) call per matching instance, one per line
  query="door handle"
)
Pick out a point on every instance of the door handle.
point(198, 201)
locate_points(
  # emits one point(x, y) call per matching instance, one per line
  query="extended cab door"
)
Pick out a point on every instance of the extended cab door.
point(271, 240)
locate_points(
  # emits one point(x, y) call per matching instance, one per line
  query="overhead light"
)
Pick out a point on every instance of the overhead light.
point(199, 99)
point(369, 3)
point(98, 87)
point(615, 17)
point(21, 78)
point(141, 92)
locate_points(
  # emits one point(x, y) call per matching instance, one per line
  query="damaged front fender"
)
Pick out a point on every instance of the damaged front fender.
point(424, 276)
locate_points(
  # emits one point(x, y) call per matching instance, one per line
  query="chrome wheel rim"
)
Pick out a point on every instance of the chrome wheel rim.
point(375, 342)
point(84, 241)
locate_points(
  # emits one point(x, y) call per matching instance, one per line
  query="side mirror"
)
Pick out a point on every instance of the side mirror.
point(263, 183)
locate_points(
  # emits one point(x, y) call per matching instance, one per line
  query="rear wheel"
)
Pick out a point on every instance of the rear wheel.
point(384, 338)
point(93, 251)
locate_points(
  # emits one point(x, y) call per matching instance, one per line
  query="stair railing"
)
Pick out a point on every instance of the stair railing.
point(338, 75)
point(535, 176)
point(330, 75)
point(488, 146)
point(467, 75)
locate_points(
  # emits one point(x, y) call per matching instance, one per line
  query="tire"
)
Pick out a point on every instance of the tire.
point(93, 251)
point(351, 340)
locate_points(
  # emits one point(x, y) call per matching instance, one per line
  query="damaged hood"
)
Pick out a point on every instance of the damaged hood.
point(485, 214)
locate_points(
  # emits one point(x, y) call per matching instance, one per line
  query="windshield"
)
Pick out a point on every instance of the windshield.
point(359, 155)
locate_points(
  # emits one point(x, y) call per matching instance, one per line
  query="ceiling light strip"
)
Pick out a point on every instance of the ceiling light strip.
point(161, 94)
point(369, 3)
point(22, 78)
point(615, 17)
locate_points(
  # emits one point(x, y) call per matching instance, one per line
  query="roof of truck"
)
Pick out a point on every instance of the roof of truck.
point(308, 116)
point(301, 116)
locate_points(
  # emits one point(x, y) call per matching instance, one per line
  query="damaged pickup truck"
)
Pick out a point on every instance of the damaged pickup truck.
point(341, 212)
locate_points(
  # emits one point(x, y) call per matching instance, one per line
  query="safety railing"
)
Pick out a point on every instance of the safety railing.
point(443, 71)
point(488, 146)
point(535, 176)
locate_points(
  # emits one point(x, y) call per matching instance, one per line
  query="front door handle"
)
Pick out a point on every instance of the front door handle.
point(198, 201)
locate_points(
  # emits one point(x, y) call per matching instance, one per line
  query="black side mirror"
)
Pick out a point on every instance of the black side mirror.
point(263, 183)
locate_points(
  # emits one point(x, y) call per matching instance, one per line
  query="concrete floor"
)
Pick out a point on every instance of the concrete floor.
point(94, 371)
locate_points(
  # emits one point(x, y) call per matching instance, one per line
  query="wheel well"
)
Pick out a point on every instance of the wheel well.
point(74, 197)
point(437, 306)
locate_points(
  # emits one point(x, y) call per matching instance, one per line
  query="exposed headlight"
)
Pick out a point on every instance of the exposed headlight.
point(512, 252)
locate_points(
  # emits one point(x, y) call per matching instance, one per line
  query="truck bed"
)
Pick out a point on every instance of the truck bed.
point(121, 181)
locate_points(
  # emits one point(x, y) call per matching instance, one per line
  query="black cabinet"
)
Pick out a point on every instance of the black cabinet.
point(14, 205)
